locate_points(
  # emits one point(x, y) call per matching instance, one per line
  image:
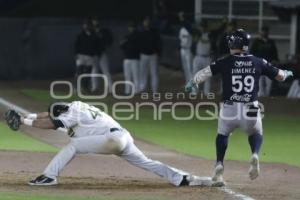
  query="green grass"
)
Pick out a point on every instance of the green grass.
point(9, 196)
point(194, 137)
point(44, 95)
point(15, 140)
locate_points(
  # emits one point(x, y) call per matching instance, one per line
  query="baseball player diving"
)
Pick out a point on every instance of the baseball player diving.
point(93, 131)
point(240, 73)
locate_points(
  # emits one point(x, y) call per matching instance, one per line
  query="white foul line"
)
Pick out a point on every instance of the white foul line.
point(22, 110)
point(13, 106)
point(235, 194)
point(17, 108)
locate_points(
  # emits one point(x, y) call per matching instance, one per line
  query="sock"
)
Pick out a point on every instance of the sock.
point(255, 142)
point(221, 146)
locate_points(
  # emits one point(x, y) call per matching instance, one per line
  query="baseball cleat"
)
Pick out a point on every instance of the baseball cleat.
point(218, 173)
point(43, 180)
point(217, 179)
point(184, 181)
point(254, 167)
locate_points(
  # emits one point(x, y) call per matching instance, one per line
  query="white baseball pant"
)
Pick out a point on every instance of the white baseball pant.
point(85, 60)
point(186, 61)
point(294, 91)
point(119, 143)
point(131, 74)
point(145, 62)
point(103, 65)
point(199, 63)
point(265, 86)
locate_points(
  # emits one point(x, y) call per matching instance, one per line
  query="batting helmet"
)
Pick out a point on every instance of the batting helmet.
point(239, 39)
point(55, 109)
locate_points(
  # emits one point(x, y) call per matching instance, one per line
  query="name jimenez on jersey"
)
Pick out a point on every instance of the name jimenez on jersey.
point(239, 84)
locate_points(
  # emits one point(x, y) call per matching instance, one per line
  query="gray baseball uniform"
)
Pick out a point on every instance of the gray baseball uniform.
point(234, 115)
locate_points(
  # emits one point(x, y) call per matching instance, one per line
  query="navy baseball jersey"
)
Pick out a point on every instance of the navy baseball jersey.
point(240, 75)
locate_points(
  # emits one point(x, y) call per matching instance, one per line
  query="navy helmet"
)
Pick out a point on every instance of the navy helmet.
point(239, 39)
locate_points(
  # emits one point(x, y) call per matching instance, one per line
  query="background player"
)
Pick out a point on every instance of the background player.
point(265, 47)
point(150, 49)
point(85, 50)
point(186, 41)
point(202, 53)
point(130, 47)
point(93, 131)
point(240, 73)
point(105, 40)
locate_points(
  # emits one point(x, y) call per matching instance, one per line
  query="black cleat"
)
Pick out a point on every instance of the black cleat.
point(43, 180)
point(184, 181)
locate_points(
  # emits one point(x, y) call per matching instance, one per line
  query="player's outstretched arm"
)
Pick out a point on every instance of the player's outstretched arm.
point(42, 123)
point(283, 75)
point(34, 116)
point(199, 78)
point(40, 120)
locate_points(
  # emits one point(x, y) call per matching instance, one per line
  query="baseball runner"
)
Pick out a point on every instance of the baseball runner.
point(94, 131)
point(240, 73)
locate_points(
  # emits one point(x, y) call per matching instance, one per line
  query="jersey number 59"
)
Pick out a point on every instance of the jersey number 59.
point(239, 84)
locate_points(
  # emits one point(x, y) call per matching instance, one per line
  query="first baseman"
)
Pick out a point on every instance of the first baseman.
point(93, 131)
point(240, 73)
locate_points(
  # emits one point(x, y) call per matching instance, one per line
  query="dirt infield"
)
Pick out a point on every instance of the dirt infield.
point(100, 175)
point(95, 175)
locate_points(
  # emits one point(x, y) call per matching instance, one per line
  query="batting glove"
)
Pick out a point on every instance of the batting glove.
point(288, 74)
point(190, 86)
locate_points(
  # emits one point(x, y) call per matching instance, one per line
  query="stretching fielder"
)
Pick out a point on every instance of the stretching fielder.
point(93, 131)
point(240, 75)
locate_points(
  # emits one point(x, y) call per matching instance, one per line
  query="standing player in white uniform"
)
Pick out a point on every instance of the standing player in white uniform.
point(240, 78)
point(93, 131)
point(294, 91)
point(186, 41)
point(203, 52)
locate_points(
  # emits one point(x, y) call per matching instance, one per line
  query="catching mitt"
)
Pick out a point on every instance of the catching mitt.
point(13, 119)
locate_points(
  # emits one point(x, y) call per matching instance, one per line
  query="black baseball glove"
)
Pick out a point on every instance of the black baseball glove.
point(13, 119)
